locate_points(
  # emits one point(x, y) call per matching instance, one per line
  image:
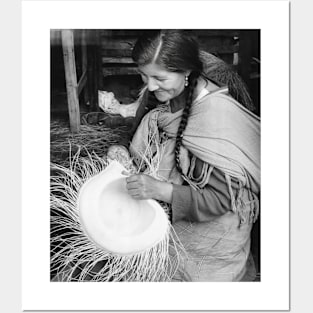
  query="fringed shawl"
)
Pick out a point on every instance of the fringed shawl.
point(220, 132)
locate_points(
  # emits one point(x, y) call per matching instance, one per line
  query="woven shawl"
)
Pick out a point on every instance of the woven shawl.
point(220, 132)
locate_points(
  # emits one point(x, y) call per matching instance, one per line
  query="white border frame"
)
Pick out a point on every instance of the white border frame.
point(272, 17)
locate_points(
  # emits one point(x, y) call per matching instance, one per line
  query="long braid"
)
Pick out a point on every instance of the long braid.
point(175, 52)
point(184, 119)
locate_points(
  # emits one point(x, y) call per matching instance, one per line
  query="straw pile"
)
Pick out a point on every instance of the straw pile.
point(92, 138)
point(74, 257)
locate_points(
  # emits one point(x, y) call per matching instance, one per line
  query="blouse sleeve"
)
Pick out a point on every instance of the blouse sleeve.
point(201, 205)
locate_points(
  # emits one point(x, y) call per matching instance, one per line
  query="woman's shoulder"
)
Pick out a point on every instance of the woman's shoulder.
point(219, 100)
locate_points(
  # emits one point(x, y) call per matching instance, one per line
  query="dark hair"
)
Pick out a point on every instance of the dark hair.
point(176, 52)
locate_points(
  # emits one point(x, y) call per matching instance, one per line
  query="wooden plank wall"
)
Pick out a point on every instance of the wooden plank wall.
point(236, 47)
point(109, 53)
point(116, 47)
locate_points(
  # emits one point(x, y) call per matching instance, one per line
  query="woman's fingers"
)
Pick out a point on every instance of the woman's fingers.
point(133, 178)
point(141, 186)
point(135, 194)
point(136, 187)
point(132, 185)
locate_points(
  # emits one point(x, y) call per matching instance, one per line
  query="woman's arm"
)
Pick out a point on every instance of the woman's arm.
point(142, 186)
point(201, 205)
point(187, 203)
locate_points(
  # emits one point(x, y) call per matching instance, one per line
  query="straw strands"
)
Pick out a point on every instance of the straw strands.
point(91, 138)
point(74, 257)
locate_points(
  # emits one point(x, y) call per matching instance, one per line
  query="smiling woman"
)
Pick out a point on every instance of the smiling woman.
point(196, 153)
point(209, 172)
point(165, 85)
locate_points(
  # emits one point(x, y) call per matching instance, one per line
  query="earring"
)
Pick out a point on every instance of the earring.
point(186, 81)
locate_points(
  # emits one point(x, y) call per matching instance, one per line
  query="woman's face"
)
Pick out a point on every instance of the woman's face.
point(165, 85)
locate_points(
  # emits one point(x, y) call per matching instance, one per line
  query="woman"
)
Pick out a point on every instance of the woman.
point(207, 148)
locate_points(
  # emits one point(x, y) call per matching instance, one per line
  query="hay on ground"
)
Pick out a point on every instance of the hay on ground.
point(92, 138)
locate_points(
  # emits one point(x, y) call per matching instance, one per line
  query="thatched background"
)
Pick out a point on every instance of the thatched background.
point(92, 138)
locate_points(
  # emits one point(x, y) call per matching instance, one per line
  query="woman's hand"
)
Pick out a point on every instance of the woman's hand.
point(142, 186)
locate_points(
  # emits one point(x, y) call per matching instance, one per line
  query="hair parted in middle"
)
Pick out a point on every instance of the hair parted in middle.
point(176, 52)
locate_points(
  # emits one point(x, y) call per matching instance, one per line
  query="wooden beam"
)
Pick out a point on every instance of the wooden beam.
point(82, 82)
point(118, 44)
point(115, 52)
point(98, 65)
point(214, 33)
point(194, 32)
point(107, 71)
point(94, 72)
point(71, 79)
point(124, 60)
point(84, 63)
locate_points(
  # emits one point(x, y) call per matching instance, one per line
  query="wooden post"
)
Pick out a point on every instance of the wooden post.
point(71, 79)
point(90, 71)
point(84, 61)
point(99, 64)
point(94, 72)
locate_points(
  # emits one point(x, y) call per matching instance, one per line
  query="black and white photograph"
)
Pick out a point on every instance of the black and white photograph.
point(156, 139)
point(155, 155)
